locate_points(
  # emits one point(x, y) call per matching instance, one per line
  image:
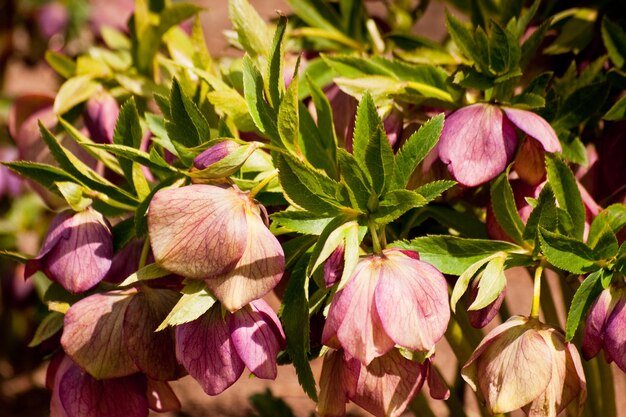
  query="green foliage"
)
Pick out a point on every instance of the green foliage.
point(584, 297)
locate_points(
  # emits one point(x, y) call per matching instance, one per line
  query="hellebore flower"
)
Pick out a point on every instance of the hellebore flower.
point(52, 19)
point(75, 393)
point(605, 327)
point(384, 388)
point(391, 299)
point(219, 235)
point(10, 184)
point(216, 349)
point(112, 335)
point(478, 141)
point(482, 317)
point(215, 154)
point(76, 252)
point(100, 116)
point(333, 267)
point(526, 364)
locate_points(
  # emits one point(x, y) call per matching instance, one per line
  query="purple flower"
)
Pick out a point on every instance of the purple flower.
point(100, 116)
point(478, 141)
point(604, 327)
point(76, 252)
point(526, 364)
point(52, 19)
point(219, 235)
point(10, 184)
point(215, 154)
point(333, 267)
point(391, 299)
point(216, 348)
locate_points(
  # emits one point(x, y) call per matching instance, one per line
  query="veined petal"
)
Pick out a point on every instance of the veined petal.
point(534, 126)
point(412, 301)
point(93, 338)
point(337, 382)
point(476, 143)
point(161, 397)
point(361, 333)
point(258, 271)
point(387, 385)
point(615, 333)
point(82, 395)
point(257, 337)
point(197, 231)
point(154, 353)
point(593, 337)
point(206, 351)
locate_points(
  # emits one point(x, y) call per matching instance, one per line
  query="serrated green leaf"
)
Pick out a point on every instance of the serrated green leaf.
point(415, 149)
point(575, 34)
point(300, 221)
point(461, 35)
point(148, 272)
point(366, 124)
point(454, 255)
point(544, 214)
point(492, 282)
point(135, 155)
point(380, 161)
point(395, 203)
point(567, 253)
point(294, 315)
point(128, 133)
point(504, 208)
point(252, 31)
point(73, 194)
point(275, 80)
point(313, 147)
point(355, 178)
point(73, 92)
point(196, 301)
point(614, 37)
point(504, 50)
point(43, 174)
point(262, 113)
point(566, 191)
point(187, 127)
point(583, 299)
point(324, 114)
point(48, 327)
point(617, 110)
point(288, 121)
point(433, 190)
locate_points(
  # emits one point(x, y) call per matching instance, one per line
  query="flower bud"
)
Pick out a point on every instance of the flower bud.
point(100, 116)
point(333, 268)
point(526, 364)
point(215, 153)
point(10, 184)
point(76, 252)
point(480, 318)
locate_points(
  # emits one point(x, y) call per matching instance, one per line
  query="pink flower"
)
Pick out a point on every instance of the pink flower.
point(215, 349)
point(391, 299)
point(526, 364)
point(76, 252)
point(604, 327)
point(219, 235)
point(478, 141)
point(100, 116)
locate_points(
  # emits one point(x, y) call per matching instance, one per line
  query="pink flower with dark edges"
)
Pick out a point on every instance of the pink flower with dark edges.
point(391, 299)
point(216, 348)
point(76, 252)
point(526, 364)
point(478, 141)
point(605, 325)
point(219, 235)
point(75, 393)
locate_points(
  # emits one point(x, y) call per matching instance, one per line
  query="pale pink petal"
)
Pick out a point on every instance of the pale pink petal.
point(205, 349)
point(476, 143)
point(93, 337)
point(257, 339)
point(593, 336)
point(412, 301)
point(161, 397)
point(82, 395)
point(337, 382)
point(152, 352)
point(387, 385)
point(197, 231)
point(534, 126)
point(258, 271)
point(361, 333)
point(333, 267)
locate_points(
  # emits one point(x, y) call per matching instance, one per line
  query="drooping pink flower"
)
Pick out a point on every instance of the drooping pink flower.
point(219, 235)
point(604, 327)
point(100, 116)
point(76, 252)
point(215, 349)
point(391, 299)
point(478, 141)
point(526, 364)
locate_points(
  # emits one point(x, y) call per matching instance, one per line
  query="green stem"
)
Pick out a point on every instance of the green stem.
point(534, 312)
point(420, 407)
point(457, 340)
point(377, 40)
point(375, 241)
point(143, 258)
point(549, 308)
point(106, 199)
point(263, 183)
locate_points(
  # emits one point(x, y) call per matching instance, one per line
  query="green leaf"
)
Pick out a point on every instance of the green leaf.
point(262, 113)
point(252, 31)
point(346, 234)
point(275, 80)
point(317, 14)
point(14, 256)
point(196, 301)
point(73, 92)
point(306, 187)
point(461, 35)
point(128, 133)
point(43, 174)
point(288, 118)
point(294, 315)
point(461, 285)
point(575, 34)
point(63, 65)
point(366, 125)
point(380, 161)
point(504, 208)
point(73, 194)
point(415, 149)
point(584, 297)
point(433, 190)
point(324, 113)
point(614, 215)
point(544, 214)
point(504, 50)
point(356, 179)
point(566, 253)
point(301, 221)
point(395, 203)
point(614, 37)
point(492, 282)
point(48, 327)
point(617, 110)
point(187, 127)
point(453, 255)
point(566, 191)
point(135, 155)
point(148, 272)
